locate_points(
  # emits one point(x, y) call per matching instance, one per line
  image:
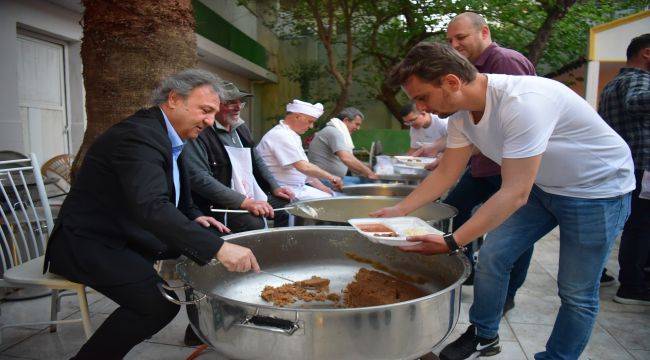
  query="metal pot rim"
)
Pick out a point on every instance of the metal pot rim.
point(367, 197)
point(457, 283)
point(379, 185)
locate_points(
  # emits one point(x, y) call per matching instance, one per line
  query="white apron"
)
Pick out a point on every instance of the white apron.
point(306, 192)
point(242, 180)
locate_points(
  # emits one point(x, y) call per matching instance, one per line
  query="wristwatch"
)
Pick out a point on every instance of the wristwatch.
point(451, 244)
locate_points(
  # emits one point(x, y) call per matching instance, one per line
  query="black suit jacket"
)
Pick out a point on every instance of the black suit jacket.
point(120, 216)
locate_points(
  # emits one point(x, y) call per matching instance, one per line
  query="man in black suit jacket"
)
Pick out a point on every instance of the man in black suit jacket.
point(130, 205)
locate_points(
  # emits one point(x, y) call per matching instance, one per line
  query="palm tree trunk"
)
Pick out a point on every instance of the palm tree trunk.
point(128, 46)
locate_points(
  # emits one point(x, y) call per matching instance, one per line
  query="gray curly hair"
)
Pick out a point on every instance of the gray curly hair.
point(184, 82)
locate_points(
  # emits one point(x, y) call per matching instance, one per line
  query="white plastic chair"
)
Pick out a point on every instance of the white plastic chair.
point(25, 224)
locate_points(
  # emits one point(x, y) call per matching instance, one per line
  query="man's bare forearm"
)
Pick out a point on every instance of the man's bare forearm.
point(491, 214)
point(312, 170)
point(440, 180)
point(518, 177)
point(354, 164)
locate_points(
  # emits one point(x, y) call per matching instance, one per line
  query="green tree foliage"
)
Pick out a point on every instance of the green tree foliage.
point(553, 34)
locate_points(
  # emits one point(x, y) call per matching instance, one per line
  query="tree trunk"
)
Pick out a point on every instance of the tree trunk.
point(553, 15)
point(128, 46)
point(387, 96)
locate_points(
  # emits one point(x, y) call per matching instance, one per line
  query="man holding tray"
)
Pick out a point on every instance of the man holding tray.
point(561, 165)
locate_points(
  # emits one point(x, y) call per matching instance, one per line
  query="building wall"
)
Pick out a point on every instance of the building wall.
point(575, 79)
point(60, 20)
point(38, 17)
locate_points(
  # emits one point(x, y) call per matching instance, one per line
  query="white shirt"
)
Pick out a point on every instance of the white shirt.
point(436, 130)
point(527, 116)
point(280, 147)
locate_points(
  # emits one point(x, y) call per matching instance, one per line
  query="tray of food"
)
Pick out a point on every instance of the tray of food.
point(393, 231)
point(414, 161)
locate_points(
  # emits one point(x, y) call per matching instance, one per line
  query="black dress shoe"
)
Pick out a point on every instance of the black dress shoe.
point(191, 339)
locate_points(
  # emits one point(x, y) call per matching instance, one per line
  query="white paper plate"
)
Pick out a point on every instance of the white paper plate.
point(414, 161)
point(402, 226)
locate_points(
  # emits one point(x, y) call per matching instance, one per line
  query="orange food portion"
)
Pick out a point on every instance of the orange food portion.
point(369, 288)
point(372, 288)
point(375, 228)
point(313, 289)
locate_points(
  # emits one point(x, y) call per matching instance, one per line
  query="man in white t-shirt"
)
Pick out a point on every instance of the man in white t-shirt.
point(428, 132)
point(281, 149)
point(561, 165)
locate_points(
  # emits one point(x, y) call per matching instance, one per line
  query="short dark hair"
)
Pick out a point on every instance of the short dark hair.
point(430, 62)
point(637, 44)
point(407, 109)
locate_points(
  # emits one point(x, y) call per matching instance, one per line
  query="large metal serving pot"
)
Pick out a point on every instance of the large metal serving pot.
point(378, 189)
point(338, 210)
point(239, 324)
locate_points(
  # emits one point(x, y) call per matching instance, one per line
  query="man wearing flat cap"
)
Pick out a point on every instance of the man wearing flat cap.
point(227, 173)
point(281, 149)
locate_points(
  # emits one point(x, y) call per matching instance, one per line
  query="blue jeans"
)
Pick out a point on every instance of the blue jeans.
point(469, 193)
point(588, 228)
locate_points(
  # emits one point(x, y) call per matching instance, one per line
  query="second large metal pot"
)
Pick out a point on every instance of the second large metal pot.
point(338, 210)
point(378, 190)
point(239, 324)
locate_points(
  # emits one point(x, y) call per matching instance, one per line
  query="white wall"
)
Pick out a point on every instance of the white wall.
point(611, 44)
point(54, 21)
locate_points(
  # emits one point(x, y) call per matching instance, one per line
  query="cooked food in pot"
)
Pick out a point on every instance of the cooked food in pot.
point(372, 288)
point(369, 288)
point(313, 289)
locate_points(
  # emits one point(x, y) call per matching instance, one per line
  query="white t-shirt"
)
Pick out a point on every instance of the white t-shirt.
point(436, 130)
point(527, 116)
point(279, 148)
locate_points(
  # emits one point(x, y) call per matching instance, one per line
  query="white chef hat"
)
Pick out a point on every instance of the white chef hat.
point(297, 106)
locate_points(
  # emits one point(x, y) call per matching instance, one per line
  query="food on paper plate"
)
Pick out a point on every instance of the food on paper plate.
point(375, 227)
point(386, 234)
point(416, 231)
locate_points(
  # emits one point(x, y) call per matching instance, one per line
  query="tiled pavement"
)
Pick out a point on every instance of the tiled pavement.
point(622, 331)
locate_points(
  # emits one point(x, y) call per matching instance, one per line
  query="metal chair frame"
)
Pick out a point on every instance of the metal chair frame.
point(25, 225)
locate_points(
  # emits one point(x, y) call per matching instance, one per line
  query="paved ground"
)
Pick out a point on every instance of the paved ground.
point(622, 331)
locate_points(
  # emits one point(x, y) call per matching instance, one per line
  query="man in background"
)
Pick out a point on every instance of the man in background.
point(428, 132)
point(281, 149)
point(625, 106)
point(332, 148)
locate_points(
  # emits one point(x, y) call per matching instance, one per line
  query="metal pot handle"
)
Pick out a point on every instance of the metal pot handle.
point(162, 288)
point(269, 323)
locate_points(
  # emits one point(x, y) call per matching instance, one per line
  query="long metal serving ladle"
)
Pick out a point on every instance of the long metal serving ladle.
point(302, 207)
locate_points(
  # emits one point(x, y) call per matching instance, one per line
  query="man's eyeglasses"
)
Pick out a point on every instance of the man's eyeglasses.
point(409, 122)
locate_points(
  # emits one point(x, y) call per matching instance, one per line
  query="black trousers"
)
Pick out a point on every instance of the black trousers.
point(142, 313)
point(245, 222)
point(635, 241)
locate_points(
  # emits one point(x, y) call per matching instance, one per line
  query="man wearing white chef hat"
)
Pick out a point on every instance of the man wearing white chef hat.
point(281, 149)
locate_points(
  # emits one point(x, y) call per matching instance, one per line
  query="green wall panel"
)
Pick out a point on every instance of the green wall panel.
point(217, 29)
point(394, 142)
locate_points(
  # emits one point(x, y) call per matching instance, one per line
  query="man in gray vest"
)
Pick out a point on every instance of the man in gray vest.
point(331, 148)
